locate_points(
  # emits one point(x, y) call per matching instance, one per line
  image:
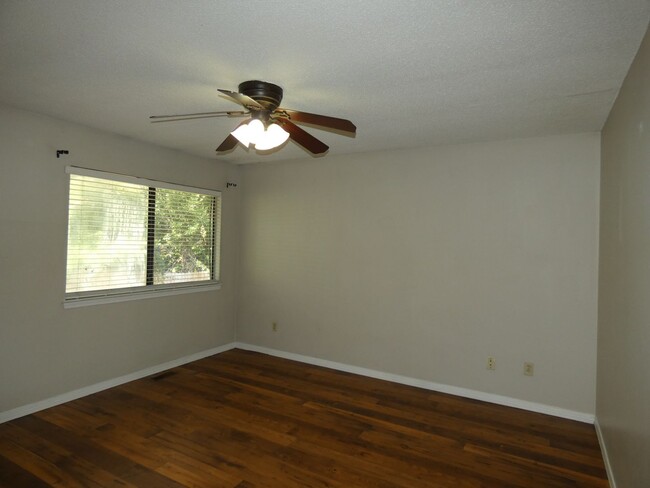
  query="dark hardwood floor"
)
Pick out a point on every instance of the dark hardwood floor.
point(243, 419)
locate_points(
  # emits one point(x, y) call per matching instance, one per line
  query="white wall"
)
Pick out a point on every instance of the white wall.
point(46, 350)
point(623, 399)
point(423, 263)
point(417, 262)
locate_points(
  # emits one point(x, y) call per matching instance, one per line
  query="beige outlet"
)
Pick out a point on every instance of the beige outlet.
point(491, 363)
point(529, 369)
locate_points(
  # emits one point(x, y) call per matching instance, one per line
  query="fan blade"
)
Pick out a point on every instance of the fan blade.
point(199, 115)
point(229, 143)
point(319, 120)
point(242, 99)
point(303, 138)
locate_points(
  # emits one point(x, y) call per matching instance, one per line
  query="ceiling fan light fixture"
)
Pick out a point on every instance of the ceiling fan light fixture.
point(247, 134)
point(272, 137)
point(263, 139)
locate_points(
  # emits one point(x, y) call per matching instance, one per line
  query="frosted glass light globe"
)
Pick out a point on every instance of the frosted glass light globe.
point(274, 136)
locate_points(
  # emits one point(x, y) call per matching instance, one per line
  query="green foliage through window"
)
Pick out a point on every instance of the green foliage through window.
point(184, 237)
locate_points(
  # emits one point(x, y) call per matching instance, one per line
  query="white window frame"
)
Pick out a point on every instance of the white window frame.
point(96, 297)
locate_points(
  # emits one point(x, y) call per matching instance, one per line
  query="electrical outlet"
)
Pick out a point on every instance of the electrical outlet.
point(274, 326)
point(529, 369)
point(491, 363)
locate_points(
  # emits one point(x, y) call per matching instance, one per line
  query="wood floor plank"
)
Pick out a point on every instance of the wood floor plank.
point(39, 467)
point(568, 475)
point(13, 475)
point(241, 419)
point(87, 474)
point(102, 458)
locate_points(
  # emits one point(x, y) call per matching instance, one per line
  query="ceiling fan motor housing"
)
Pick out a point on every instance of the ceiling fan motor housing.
point(263, 92)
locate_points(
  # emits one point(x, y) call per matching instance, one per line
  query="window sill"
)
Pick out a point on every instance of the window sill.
point(137, 295)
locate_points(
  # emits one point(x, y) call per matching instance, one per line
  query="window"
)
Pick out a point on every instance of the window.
point(129, 237)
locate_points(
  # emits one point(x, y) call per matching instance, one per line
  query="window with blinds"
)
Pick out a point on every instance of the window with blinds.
point(129, 236)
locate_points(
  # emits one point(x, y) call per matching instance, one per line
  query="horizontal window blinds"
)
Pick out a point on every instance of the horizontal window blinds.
point(130, 236)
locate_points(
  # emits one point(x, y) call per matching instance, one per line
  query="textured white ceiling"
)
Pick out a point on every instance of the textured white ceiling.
point(407, 73)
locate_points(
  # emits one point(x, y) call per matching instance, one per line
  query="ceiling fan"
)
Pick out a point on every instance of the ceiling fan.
point(268, 125)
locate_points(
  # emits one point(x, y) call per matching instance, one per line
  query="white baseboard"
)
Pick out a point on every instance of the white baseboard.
point(104, 385)
point(428, 385)
point(603, 449)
